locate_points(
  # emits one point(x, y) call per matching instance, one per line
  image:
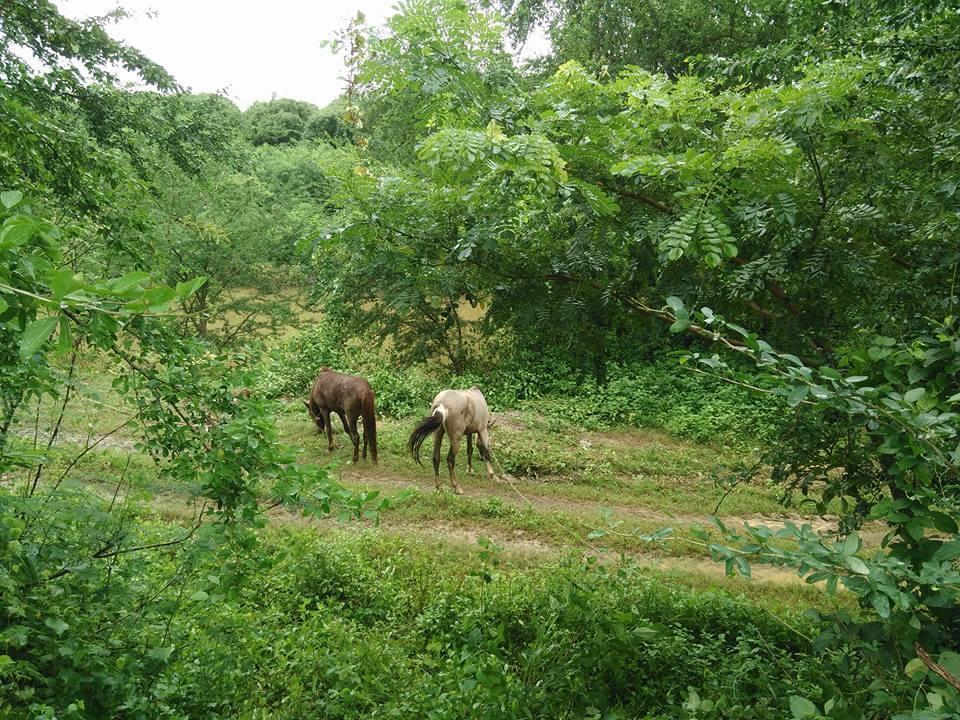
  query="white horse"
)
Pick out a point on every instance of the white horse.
point(456, 413)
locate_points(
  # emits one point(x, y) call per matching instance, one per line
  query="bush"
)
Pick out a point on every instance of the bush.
point(392, 631)
point(665, 395)
point(661, 395)
point(292, 366)
point(402, 394)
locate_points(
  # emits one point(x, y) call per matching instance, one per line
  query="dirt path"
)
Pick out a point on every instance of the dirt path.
point(512, 493)
point(526, 549)
point(94, 439)
point(566, 520)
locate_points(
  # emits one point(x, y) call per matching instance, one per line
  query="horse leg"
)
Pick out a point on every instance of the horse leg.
point(437, 439)
point(364, 441)
point(355, 437)
point(344, 422)
point(483, 444)
point(452, 463)
point(470, 453)
point(325, 415)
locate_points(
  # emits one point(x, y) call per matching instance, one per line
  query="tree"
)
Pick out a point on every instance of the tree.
point(657, 35)
point(821, 211)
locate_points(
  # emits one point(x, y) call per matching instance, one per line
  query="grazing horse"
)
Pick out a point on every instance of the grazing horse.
point(456, 413)
point(349, 397)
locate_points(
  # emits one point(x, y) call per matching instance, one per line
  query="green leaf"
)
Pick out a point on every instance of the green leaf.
point(158, 298)
point(64, 282)
point(943, 522)
point(64, 341)
point(188, 288)
point(802, 708)
point(851, 545)
point(680, 325)
point(16, 232)
point(129, 281)
point(911, 396)
point(675, 303)
point(10, 198)
point(915, 528)
point(743, 567)
point(56, 624)
point(881, 603)
point(950, 661)
point(35, 335)
point(160, 653)
point(914, 667)
point(797, 394)
point(829, 372)
point(199, 596)
point(858, 566)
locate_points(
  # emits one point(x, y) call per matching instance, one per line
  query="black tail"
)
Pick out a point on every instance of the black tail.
point(427, 426)
point(369, 415)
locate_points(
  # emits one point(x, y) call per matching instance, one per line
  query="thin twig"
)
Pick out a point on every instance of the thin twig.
point(56, 428)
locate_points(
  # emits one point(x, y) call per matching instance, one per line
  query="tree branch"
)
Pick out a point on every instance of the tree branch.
point(940, 670)
point(648, 200)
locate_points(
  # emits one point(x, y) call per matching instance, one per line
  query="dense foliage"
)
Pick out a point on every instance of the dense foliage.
point(371, 629)
point(816, 204)
point(767, 190)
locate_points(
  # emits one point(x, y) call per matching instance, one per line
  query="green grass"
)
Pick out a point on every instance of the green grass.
point(562, 477)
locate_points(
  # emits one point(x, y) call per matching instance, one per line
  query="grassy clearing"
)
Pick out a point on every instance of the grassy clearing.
point(562, 480)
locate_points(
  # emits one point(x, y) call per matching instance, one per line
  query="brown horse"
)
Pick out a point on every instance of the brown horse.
point(350, 397)
point(456, 413)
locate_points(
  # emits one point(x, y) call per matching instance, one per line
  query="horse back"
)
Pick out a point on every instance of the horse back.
point(466, 410)
point(339, 391)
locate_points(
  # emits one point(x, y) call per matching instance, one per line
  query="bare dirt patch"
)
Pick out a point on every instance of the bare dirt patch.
point(619, 439)
point(115, 442)
point(510, 420)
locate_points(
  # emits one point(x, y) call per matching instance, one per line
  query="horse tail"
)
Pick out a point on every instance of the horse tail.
point(428, 425)
point(369, 415)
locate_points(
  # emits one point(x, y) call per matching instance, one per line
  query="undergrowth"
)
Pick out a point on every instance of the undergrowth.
point(342, 627)
point(660, 394)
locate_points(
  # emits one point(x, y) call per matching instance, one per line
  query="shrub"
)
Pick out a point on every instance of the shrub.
point(292, 366)
point(665, 395)
point(392, 630)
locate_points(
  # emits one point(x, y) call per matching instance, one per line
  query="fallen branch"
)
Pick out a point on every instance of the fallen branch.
point(940, 670)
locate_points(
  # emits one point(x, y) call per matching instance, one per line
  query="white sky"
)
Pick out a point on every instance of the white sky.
point(250, 51)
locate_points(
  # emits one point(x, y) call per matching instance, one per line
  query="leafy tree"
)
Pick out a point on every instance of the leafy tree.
point(282, 121)
point(213, 226)
point(73, 570)
point(776, 203)
point(821, 211)
point(657, 35)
